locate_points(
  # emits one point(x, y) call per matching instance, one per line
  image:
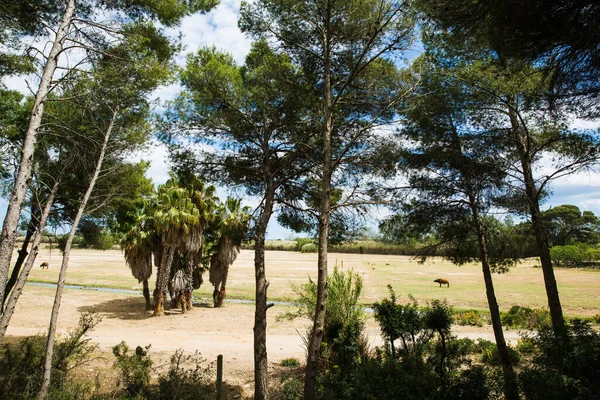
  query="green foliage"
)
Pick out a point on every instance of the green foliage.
point(526, 345)
point(186, 383)
point(469, 317)
point(564, 367)
point(290, 362)
point(301, 242)
point(525, 318)
point(490, 354)
point(309, 248)
point(134, 368)
point(21, 364)
point(577, 255)
point(414, 327)
point(291, 389)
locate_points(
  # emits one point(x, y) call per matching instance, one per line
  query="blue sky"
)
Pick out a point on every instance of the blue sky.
point(219, 28)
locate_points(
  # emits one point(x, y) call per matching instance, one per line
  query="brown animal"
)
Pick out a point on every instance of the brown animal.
point(442, 281)
point(44, 265)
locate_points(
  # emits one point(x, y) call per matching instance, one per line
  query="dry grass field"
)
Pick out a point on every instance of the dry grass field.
point(522, 285)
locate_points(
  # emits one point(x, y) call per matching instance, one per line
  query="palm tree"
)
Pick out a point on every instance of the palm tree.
point(233, 225)
point(176, 220)
point(180, 213)
point(138, 248)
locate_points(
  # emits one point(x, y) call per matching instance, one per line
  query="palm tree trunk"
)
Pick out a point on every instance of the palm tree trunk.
point(522, 139)
point(511, 391)
point(31, 229)
point(162, 280)
point(147, 295)
point(65, 264)
point(11, 220)
point(20, 283)
point(261, 377)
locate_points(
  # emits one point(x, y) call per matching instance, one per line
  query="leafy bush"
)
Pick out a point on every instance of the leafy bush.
point(526, 345)
point(490, 355)
point(291, 389)
point(525, 318)
point(409, 324)
point(301, 242)
point(135, 369)
point(309, 248)
point(577, 255)
point(186, 383)
point(21, 364)
point(565, 367)
point(290, 362)
point(469, 317)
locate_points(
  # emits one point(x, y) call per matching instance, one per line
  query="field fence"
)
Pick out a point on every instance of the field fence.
point(236, 381)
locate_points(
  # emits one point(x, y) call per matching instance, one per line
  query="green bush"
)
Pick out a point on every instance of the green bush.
point(309, 248)
point(576, 255)
point(469, 318)
point(300, 242)
point(135, 369)
point(195, 383)
point(291, 389)
point(290, 362)
point(21, 364)
point(564, 367)
point(490, 355)
point(526, 345)
point(525, 318)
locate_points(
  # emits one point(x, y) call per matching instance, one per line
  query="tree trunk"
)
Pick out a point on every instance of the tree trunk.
point(20, 283)
point(316, 336)
point(23, 179)
point(511, 391)
point(162, 280)
point(31, 229)
point(147, 295)
point(522, 140)
point(65, 264)
point(261, 377)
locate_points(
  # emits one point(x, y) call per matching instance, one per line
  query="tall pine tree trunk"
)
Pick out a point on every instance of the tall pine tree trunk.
point(31, 229)
point(65, 264)
point(511, 391)
point(261, 377)
point(23, 179)
point(317, 332)
point(20, 282)
point(531, 192)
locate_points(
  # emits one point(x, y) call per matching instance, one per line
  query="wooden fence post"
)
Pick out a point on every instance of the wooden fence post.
point(220, 377)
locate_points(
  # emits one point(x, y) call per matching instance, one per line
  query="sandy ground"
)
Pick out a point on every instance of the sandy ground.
point(211, 331)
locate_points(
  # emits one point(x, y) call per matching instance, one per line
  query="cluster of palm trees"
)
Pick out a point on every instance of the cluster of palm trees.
point(182, 229)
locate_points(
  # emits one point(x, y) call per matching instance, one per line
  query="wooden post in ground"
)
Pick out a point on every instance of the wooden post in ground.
point(220, 377)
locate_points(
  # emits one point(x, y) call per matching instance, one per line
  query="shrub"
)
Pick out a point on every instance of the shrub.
point(291, 389)
point(186, 383)
point(469, 317)
point(21, 364)
point(526, 345)
point(490, 355)
point(564, 367)
point(135, 369)
point(526, 318)
point(309, 248)
point(301, 242)
point(290, 362)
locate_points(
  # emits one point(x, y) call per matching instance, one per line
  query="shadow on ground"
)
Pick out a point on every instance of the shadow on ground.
point(131, 308)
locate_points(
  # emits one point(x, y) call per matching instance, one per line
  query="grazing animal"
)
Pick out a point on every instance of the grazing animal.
point(44, 265)
point(442, 281)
